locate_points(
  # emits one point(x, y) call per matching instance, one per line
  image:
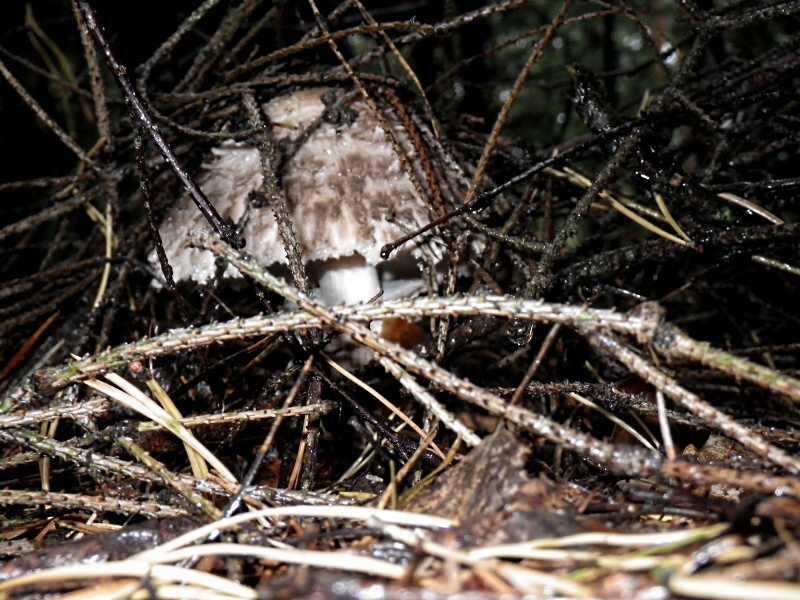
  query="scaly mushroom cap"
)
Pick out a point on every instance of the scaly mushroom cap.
point(346, 189)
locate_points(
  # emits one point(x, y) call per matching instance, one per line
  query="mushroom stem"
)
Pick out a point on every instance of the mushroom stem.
point(351, 280)
point(347, 280)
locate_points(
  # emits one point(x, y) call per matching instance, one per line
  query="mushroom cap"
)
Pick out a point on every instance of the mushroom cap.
point(345, 187)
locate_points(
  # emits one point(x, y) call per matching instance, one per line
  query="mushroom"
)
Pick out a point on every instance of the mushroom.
point(347, 194)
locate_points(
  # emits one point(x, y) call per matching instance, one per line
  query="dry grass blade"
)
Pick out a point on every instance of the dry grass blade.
point(698, 586)
point(199, 466)
point(139, 570)
point(129, 395)
point(340, 512)
point(681, 239)
point(395, 411)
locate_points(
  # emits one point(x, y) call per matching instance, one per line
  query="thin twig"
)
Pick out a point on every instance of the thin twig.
point(141, 113)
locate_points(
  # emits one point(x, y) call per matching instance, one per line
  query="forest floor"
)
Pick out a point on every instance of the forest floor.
point(418, 300)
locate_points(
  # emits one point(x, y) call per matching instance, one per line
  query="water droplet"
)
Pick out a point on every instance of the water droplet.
point(519, 332)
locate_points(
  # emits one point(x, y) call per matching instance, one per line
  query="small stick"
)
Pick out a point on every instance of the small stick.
point(140, 112)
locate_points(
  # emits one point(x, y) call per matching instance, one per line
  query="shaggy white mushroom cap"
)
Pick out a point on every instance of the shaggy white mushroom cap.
point(346, 190)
